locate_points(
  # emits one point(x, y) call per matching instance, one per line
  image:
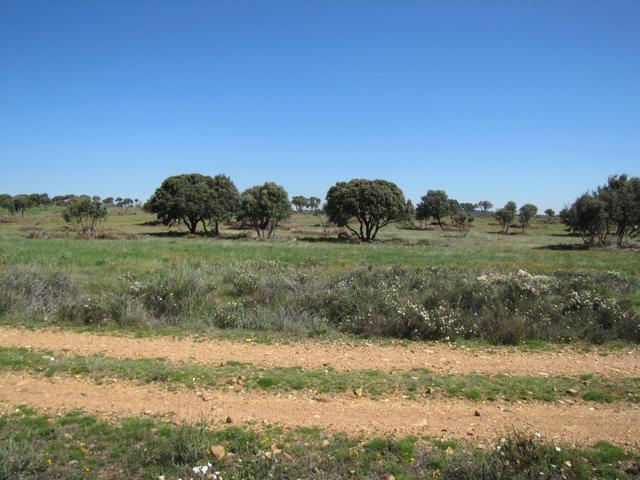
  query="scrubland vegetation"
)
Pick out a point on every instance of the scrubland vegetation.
point(201, 258)
point(414, 283)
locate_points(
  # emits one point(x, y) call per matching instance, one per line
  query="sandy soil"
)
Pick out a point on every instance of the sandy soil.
point(342, 356)
point(579, 423)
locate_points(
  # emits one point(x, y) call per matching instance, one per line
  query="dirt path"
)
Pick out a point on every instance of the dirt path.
point(341, 356)
point(576, 424)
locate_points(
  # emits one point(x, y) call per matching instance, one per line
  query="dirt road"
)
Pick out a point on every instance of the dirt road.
point(339, 355)
point(576, 424)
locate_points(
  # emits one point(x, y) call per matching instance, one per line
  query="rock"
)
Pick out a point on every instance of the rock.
point(572, 391)
point(476, 413)
point(217, 451)
point(359, 392)
point(391, 477)
point(148, 412)
point(160, 477)
point(228, 420)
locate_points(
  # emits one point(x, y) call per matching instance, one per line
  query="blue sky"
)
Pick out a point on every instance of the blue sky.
point(532, 101)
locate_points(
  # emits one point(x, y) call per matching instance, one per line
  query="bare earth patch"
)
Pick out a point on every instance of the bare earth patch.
point(578, 423)
point(340, 355)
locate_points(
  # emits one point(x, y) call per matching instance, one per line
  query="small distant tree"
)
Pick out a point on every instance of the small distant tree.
point(62, 200)
point(372, 203)
point(485, 205)
point(434, 204)
point(314, 204)
point(587, 217)
point(6, 201)
point(463, 221)
point(410, 211)
point(325, 221)
point(86, 215)
point(21, 203)
point(550, 213)
point(108, 201)
point(526, 213)
point(263, 206)
point(506, 215)
point(468, 208)
point(39, 199)
point(299, 202)
point(454, 208)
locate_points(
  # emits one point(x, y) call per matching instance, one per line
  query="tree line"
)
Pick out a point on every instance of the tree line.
point(361, 206)
point(18, 204)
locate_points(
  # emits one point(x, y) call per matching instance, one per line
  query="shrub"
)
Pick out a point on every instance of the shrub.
point(36, 291)
point(184, 292)
point(85, 215)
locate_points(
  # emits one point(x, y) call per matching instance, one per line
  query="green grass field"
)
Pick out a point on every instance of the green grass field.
point(305, 281)
point(140, 246)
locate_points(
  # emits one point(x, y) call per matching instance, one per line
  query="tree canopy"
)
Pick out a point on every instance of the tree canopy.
point(372, 203)
point(526, 214)
point(434, 204)
point(506, 215)
point(85, 214)
point(194, 198)
point(263, 206)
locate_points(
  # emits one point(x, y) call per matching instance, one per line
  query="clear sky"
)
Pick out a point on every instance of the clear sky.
point(500, 99)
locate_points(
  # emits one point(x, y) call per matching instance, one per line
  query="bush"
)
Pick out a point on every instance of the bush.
point(35, 291)
point(429, 304)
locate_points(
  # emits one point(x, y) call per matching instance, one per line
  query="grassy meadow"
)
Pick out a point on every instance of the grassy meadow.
point(410, 283)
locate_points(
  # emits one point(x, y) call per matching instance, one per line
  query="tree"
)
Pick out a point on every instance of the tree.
point(463, 220)
point(506, 215)
point(85, 214)
point(468, 208)
point(410, 211)
point(299, 202)
point(6, 201)
point(224, 202)
point(587, 217)
point(21, 203)
point(485, 205)
point(454, 208)
point(526, 213)
point(621, 197)
point(550, 213)
point(263, 206)
point(434, 204)
point(62, 200)
point(314, 204)
point(108, 201)
point(372, 203)
point(39, 199)
point(182, 198)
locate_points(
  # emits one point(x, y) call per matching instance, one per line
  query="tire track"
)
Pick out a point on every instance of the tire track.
point(578, 423)
point(438, 358)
